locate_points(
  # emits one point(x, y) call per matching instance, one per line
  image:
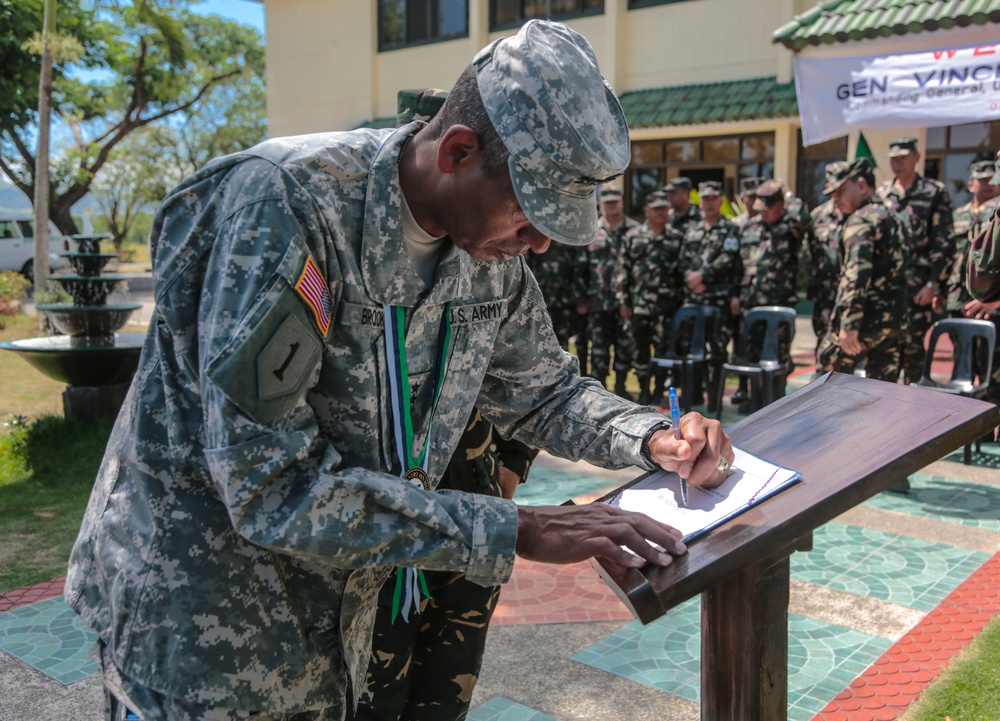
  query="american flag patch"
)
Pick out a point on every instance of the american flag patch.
point(314, 291)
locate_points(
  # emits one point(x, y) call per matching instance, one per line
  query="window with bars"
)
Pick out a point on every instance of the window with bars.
point(403, 23)
point(514, 13)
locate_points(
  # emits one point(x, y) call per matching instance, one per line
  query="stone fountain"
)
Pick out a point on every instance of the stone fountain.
point(94, 359)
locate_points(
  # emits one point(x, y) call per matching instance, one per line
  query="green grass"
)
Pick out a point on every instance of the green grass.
point(47, 468)
point(25, 391)
point(969, 689)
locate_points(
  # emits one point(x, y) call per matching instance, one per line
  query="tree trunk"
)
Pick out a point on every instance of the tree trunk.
point(42, 170)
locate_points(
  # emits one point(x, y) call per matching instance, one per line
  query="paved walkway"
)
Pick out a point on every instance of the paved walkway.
point(890, 593)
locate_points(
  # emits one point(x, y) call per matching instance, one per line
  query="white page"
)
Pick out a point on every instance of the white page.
point(659, 496)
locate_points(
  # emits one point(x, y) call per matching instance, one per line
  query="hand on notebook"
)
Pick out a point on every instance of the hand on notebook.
point(696, 456)
point(568, 534)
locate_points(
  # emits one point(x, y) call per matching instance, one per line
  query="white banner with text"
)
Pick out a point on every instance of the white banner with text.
point(951, 86)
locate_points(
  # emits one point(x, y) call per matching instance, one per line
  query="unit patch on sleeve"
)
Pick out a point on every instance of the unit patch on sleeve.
point(312, 288)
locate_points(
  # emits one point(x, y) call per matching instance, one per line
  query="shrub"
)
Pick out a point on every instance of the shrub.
point(13, 289)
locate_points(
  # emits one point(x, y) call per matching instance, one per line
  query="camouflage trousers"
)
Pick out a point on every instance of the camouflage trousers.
point(567, 322)
point(602, 330)
point(426, 669)
point(880, 359)
point(919, 319)
point(647, 332)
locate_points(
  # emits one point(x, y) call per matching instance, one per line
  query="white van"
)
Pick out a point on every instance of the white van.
point(17, 246)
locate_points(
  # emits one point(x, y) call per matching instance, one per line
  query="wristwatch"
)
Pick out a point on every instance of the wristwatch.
point(931, 284)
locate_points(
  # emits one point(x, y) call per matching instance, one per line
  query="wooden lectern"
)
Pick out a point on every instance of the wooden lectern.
point(850, 438)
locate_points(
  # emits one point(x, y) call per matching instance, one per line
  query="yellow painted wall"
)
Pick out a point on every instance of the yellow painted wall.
point(324, 71)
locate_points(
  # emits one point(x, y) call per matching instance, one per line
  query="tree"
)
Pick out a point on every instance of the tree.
point(159, 61)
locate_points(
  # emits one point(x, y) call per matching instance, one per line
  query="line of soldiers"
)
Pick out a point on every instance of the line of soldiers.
point(878, 261)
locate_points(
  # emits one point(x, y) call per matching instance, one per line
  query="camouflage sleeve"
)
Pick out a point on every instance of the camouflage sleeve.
point(285, 484)
point(727, 262)
point(582, 276)
point(857, 272)
point(942, 241)
point(532, 393)
point(623, 272)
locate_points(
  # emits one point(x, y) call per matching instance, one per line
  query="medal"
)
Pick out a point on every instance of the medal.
point(418, 476)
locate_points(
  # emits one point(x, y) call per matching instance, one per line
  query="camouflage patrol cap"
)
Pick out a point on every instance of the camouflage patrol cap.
point(560, 121)
point(769, 193)
point(748, 186)
point(840, 172)
point(657, 199)
point(679, 183)
point(902, 146)
point(710, 187)
point(981, 170)
point(610, 194)
point(418, 104)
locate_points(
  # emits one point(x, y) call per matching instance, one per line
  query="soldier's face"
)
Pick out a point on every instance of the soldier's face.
point(487, 221)
point(711, 204)
point(612, 208)
point(983, 190)
point(904, 164)
point(679, 198)
point(848, 197)
point(773, 214)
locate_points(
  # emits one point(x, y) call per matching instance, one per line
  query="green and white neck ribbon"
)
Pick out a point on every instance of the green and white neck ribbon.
point(410, 582)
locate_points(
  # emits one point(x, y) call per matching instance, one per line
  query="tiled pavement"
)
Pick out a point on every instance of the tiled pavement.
point(889, 594)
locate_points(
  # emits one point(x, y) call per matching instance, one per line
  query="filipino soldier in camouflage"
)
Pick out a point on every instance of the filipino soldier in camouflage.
point(683, 213)
point(709, 258)
point(598, 264)
point(426, 669)
point(748, 190)
point(871, 296)
point(826, 254)
point(969, 222)
point(928, 204)
point(769, 258)
point(965, 223)
point(983, 268)
point(259, 483)
point(649, 287)
point(555, 270)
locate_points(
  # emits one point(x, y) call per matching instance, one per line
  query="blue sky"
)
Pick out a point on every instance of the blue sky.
point(247, 12)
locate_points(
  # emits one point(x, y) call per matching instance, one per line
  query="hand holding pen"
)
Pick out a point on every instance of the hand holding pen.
point(702, 455)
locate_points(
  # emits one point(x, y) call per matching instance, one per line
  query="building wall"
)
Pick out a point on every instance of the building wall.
point(324, 71)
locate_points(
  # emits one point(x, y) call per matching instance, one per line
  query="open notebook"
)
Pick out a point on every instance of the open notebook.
point(658, 495)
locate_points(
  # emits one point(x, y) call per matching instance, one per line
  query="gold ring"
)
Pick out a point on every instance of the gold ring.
point(723, 464)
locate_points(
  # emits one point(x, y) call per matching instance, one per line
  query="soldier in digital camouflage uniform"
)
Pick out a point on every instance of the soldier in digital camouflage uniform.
point(928, 205)
point(649, 287)
point(827, 257)
point(769, 258)
point(598, 264)
point(683, 213)
point(709, 258)
point(251, 501)
point(426, 668)
point(865, 328)
point(747, 190)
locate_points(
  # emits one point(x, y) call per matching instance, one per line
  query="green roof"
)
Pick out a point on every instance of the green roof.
point(730, 101)
point(841, 21)
point(693, 104)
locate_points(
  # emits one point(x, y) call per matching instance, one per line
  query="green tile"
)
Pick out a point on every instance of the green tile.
point(546, 487)
point(666, 655)
point(908, 571)
point(503, 709)
point(942, 499)
point(50, 637)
